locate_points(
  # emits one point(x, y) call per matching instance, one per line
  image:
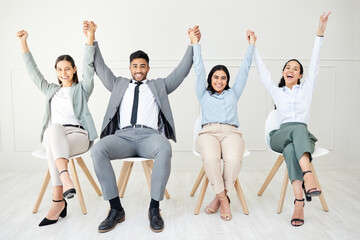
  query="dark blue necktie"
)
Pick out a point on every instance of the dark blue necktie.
point(135, 103)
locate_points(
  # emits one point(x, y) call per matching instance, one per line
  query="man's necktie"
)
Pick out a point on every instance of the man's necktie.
point(135, 103)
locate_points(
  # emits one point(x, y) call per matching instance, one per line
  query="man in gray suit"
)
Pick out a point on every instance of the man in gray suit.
point(138, 122)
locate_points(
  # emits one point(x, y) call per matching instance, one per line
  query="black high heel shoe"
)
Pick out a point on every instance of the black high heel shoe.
point(63, 213)
point(70, 193)
point(298, 219)
point(312, 192)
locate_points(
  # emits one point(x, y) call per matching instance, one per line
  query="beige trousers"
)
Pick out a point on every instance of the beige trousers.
point(63, 142)
point(221, 141)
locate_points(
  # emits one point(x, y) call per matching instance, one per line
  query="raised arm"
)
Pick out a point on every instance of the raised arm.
point(88, 64)
point(30, 64)
point(264, 74)
point(106, 76)
point(243, 72)
point(176, 77)
point(315, 59)
point(199, 67)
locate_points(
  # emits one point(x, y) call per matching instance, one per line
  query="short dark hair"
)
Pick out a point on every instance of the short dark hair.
point(72, 62)
point(211, 73)
point(282, 80)
point(139, 54)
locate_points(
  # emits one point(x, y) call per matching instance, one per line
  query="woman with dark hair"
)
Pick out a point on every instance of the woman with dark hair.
point(293, 100)
point(220, 137)
point(68, 128)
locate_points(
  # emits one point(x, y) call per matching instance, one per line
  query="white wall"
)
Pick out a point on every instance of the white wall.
point(285, 29)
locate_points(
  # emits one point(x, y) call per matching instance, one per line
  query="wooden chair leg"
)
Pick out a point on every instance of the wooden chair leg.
point(321, 197)
point(201, 196)
point(83, 166)
point(42, 192)
point(274, 169)
point(283, 191)
point(151, 165)
point(241, 196)
point(198, 181)
point(77, 186)
point(124, 169)
point(126, 179)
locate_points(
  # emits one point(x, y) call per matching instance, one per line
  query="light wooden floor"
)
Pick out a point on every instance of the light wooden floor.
point(341, 188)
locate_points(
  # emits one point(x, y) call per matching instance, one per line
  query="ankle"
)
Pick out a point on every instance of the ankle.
point(154, 204)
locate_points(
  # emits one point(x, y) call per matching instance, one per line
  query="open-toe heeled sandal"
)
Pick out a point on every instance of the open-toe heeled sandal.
point(225, 216)
point(298, 219)
point(210, 210)
point(312, 192)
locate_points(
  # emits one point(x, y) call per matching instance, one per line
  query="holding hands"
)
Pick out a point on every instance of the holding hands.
point(322, 23)
point(89, 29)
point(250, 35)
point(194, 34)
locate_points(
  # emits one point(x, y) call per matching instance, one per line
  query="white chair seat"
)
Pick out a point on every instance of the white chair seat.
point(41, 153)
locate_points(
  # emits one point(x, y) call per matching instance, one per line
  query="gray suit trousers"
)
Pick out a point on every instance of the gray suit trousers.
point(132, 142)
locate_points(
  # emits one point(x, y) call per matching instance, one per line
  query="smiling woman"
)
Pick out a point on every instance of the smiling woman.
point(66, 70)
point(220, 137)
point(293, 101)
point(68, 128)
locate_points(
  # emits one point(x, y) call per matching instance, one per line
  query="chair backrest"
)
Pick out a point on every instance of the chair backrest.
point(272, 122)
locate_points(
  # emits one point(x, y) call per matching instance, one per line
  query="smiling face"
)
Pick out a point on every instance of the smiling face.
point(292, 73)
point(65, 73)
point(139, 69)
point(219, 81)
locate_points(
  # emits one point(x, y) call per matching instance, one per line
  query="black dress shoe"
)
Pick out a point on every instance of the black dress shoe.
point(114, 217)
point(63, 213)
point(156, 221)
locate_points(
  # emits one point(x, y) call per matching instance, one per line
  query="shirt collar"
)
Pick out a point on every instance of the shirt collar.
point(143, 81)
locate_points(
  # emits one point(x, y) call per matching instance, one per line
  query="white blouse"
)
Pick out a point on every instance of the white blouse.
point(62, 110)
point(294, 104)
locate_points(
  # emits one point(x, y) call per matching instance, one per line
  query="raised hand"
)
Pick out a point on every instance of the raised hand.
point(22, 36)
point(322, 23)
point(86, 27)
point(250, 36)
point(89, 29)
point(194, 34)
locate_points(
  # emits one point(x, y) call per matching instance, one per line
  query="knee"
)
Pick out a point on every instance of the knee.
point(299, 128)
point(96, 151)
point(163, 148)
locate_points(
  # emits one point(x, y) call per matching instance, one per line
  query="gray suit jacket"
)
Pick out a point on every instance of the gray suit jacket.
point(160, 88)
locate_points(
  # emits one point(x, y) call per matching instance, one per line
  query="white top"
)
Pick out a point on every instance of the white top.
point(294, 104)
point(148, 109)
point(62, 110)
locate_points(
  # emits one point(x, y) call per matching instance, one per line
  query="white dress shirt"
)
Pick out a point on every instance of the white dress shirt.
point(148, 109)
point(294, 104)
point(62, 110)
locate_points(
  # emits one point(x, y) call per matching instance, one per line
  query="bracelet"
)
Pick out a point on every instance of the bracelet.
point(320, 35)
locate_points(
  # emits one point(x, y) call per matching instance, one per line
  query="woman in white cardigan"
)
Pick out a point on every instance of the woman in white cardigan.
point(293, 100)
point(68, 128)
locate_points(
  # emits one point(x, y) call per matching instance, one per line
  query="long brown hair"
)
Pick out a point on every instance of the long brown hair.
point(72, 62)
